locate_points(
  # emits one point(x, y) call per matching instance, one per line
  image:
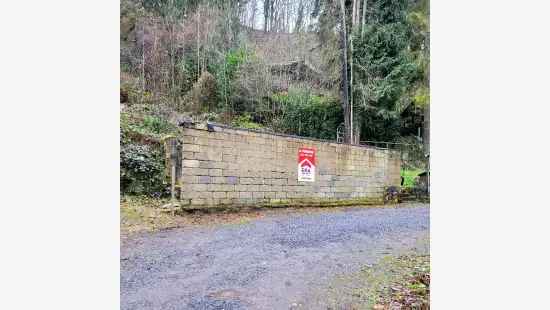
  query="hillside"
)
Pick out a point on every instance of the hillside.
point(281, 71)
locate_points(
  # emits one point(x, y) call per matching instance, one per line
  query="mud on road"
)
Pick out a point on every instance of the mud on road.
point(281, 261)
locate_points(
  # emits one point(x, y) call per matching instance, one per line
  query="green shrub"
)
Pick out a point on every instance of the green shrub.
point(305, 114)
point(409, 176)
point(225, 72)
point(245, 121)
point(156, 125)
point(142, 170)
point(150, 126)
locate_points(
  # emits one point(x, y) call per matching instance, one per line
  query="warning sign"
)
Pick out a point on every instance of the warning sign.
point(306, 164)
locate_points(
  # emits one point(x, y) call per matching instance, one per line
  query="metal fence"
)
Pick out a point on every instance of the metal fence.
point(413, 155)
point(415, 163)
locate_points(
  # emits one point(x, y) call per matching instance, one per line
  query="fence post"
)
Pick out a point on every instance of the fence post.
point(173, 158)
point(171, 149)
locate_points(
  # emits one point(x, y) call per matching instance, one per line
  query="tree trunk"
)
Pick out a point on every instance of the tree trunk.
point(271, 17)
point(143, 60)
point(352, 132)
point(266, 14)
point(299, 19)
point(198, 47)
point(426, 134)
point(354, 22)
point(357, 130)
point(364, 17)
point(353, 8)
point(358, 12)
point(345, 85)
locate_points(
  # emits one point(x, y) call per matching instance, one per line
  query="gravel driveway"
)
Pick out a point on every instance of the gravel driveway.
point(277, 262)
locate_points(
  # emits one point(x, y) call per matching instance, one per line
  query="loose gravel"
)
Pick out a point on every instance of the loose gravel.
point(277, 262)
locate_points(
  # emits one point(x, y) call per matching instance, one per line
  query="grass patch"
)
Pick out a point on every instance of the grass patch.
point(409, 176)
point(142, 213)
point(401, 282)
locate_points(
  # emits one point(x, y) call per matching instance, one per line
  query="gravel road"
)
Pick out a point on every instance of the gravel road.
point(277, 262)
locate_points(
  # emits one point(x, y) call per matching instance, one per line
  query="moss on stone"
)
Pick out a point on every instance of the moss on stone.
point(284, 203)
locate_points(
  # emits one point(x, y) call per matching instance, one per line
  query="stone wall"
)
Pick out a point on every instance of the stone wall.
point(239, 167)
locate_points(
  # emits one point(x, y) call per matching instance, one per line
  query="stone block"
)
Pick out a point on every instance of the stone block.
point(257, 181)
point(258, 195)
point(232, 166)
point(327, 177)
point(281, 195)
point(253, 188)
point(215, 172)
point(232, 194)
point(205, 194)
point(241, 188)
point(228, 158)
point(292, 181)
point(270, 195)
point(279, 181)
point(230, 172)
point(232, 180)
point(219, 195)
point(292, 195)
point(205, 179)
point(196, 187)
point(329, 195)
point(198, 201)
point(266, 188)
point(188, 155)
point(245, 195)
point(190, 148)
point(205, 164)
point(189, 179)
point(218, 180)
point(190, 163)
point(194, 171)
point(216, 187)
point(341, 195)
point(189, 194)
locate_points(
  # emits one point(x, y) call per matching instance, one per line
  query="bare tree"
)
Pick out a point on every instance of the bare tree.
point(364, 17)
point(345, 85)
point(299, 17)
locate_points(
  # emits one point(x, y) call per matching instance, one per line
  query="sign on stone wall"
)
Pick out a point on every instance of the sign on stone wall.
point(306, 164)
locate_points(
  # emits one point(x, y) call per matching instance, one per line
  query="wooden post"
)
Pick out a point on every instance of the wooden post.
point(172, 158)
point(173, 189)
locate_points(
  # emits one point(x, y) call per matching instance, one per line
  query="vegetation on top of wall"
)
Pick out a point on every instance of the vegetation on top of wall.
point(245, 121)
point(139, 128)
point(304, 113)
point(208, 56)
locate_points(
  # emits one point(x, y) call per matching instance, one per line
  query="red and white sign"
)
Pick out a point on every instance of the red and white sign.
point(306, 164)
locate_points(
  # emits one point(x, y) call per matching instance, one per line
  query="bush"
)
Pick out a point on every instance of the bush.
point(245, 121)
point(156, 125)
point(203, 95)
point(225, 71)
point(148, 127)
point(142, 170)
point(305, 114)
point(409, 176)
